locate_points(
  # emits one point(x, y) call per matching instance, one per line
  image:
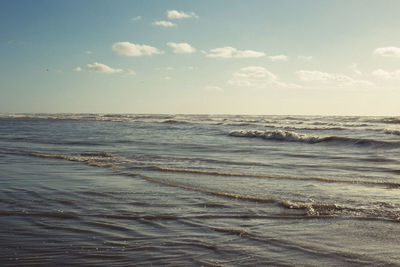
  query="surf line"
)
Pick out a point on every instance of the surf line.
point(108, 160)
point(310, 208)
point(318, 179)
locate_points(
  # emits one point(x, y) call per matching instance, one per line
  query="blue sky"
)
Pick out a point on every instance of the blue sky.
point(224, 57)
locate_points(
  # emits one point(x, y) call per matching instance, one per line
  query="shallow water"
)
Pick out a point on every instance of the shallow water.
point(98, 189)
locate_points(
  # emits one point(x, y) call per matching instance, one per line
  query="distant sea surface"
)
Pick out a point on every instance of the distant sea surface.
point(212, 190)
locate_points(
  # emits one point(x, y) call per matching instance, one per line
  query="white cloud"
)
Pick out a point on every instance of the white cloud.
point(131, 72)
point(231, 52)
point(213, 88)
point(175, 14)
point(190, 68)
point(252, 76)
point(319, 76)
point(167, 78)
point(181, 48)
point(136, 18)
point(312, 76)
point(389, 51)
point(164, 23)
point(134, 50)
point(257, 77)
point(98, 67)
point(305, 58)
point(78, 69)
point(333, 79)
point(170, 68)
point(354, 68)
point(88, 52)
point(278, 58)
point(387, 75)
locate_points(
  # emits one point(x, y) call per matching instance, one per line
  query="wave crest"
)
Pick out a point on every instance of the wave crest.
point(99, 159)
point(280, 135)
point(391, 131)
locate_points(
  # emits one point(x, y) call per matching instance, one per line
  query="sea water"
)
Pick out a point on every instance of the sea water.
point(212, 190)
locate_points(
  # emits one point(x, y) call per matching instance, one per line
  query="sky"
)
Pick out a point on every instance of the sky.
point(307, 57)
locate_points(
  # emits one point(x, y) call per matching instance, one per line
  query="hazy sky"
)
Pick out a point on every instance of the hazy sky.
point(237, 57)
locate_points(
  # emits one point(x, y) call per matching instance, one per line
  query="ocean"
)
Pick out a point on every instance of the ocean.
point(199, 190)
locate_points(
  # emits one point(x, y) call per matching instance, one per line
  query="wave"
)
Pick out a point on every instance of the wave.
point(104, 159)
point(98, 159)
point(310, 128)
point(392, 120)
point(173, 121)
point(382, 120)
point(248, 175)
point(281, 135)
point(391, 131)
point(129, 118)
point(37, 140)
point(313, 209)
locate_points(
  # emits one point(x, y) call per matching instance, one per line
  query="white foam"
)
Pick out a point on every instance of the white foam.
point(279, 135)
point(100, 159)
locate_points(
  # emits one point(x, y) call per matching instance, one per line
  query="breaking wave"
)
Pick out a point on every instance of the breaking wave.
point(313, 209)
point(391, 132)
point(280, 135)
point(98, 159)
